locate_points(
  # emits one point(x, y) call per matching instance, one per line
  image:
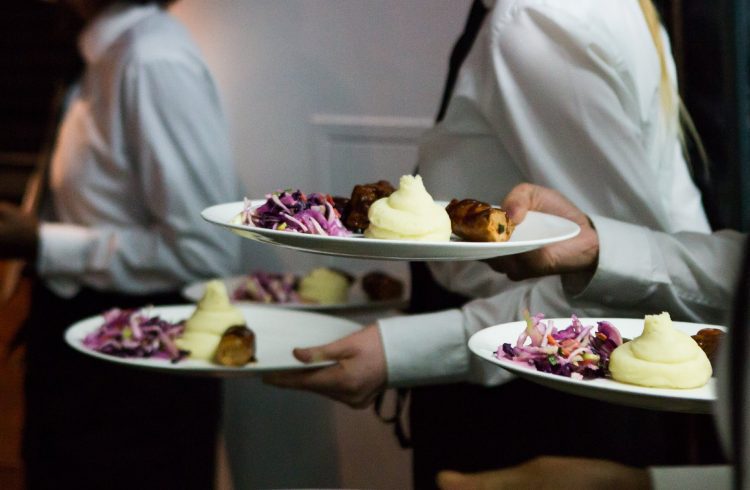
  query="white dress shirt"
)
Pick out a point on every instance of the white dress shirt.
point(692, 275)
point(142, 149)
point(566, 95)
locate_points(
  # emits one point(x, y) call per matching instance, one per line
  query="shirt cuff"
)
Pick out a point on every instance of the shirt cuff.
point(63, 249)
point(625, 264)
point(687, 477)
point(425, 349)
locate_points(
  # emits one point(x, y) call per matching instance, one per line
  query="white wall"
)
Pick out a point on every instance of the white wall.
point(320, 95)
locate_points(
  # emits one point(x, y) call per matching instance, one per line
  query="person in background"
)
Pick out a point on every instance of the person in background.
point(141, 150)
point(580, 97)
point(678, 271)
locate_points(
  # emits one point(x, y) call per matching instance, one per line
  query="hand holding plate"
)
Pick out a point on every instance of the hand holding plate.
point(357, 377)
point(547, 472)
point(576, 255)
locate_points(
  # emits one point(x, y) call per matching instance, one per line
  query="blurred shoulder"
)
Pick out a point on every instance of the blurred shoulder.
point(583, 12)
point(160, 38)
point(608, 26)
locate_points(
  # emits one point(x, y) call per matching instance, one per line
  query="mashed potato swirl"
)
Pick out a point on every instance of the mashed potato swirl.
point(213, 316)
point(324, 286)
point(662, 357)
point(408, 214)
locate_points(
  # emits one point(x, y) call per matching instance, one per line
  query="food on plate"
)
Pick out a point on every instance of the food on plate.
point(268, 287)
point(709, 340)
point(212, 317)
point(355, 211)
point(409, 213)
point(576, 351)
point(379, 286)
point(236, 347)
point(295, 211)
point(477, 221)
point(341, 204)
point(137, 333)
point(325, 286)
point(661, 357)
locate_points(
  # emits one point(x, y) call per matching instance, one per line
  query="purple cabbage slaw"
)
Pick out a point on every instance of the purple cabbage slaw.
point(294, 211)
point(268, 287)
point(576, 351)
point(135, 333)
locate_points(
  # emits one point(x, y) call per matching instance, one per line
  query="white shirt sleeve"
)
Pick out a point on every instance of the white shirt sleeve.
point(425, 349)
point(431, 348)
point(691, 275)
point(691, 477)
point(176, 143)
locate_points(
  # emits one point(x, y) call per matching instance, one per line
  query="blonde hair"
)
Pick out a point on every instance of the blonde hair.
point(672, 105)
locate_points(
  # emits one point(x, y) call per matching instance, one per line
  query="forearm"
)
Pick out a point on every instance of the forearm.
point(691, 275)
point(432, 348)
point(134, 259)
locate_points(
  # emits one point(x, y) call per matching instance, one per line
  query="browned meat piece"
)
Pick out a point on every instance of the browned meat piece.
point(236, 347)
point(477, 221)
point(363, 195)
point(709, 339)
point(381, 287)
point(341, 204)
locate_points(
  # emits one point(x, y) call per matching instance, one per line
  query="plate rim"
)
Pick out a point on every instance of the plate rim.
point(472, 250)
point(312, 307)
point(75, 332)
point(701, 400)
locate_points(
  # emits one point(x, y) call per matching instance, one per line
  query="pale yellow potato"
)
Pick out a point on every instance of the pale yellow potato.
point(661, 357)
point(212, 317)
point(215, 313)
point(214, 321)
point(651, 343)
point(202, 345)
point(324, 286)
point(409, 213)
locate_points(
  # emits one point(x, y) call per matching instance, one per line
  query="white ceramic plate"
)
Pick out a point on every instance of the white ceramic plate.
point(357, 298)
point(699, 400)
point(277, 332)
point(537, 230)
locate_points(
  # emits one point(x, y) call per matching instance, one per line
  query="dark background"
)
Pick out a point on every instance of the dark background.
point(37, 52)
point(710, 44)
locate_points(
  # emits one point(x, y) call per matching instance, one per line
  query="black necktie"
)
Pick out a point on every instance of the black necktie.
point(426, 294)
point(460, 51)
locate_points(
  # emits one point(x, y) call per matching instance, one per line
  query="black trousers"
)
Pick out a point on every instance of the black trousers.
point(94, 424)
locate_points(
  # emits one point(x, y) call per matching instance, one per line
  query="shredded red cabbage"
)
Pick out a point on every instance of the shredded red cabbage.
point(268, 287)
point(134, 333)
point(313, 214)
point(575, 351)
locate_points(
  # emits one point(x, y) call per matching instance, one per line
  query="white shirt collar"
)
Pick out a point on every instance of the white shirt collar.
point(108, 25)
